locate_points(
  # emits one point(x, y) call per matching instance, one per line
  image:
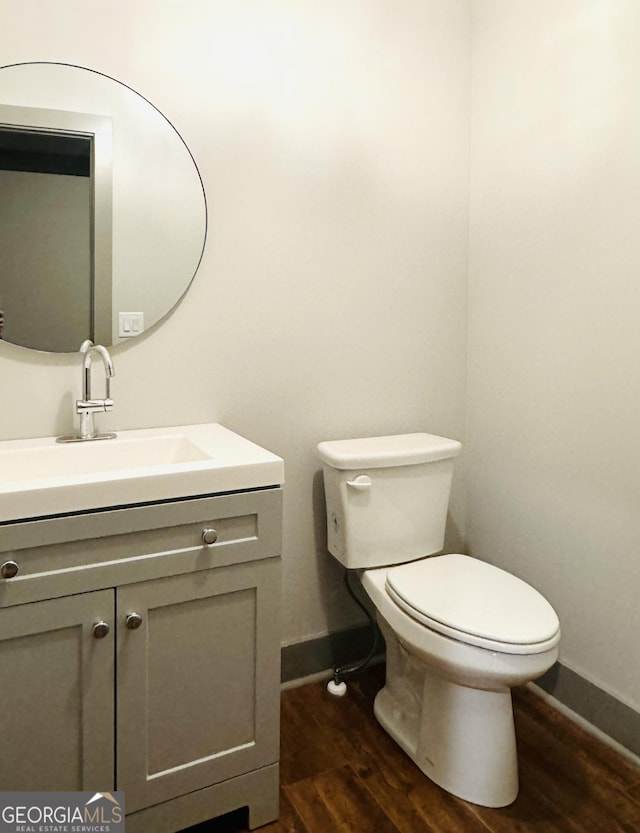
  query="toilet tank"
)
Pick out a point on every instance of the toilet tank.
point(387, 497)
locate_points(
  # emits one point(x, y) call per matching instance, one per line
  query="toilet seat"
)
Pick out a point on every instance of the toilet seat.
point(474, 602)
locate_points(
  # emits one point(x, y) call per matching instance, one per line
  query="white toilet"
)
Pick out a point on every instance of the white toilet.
point(459, 632)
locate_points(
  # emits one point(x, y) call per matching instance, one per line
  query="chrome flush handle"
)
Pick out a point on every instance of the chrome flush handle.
point(360, 483)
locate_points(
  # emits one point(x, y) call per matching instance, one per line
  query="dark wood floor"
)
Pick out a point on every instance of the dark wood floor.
point(341, 773)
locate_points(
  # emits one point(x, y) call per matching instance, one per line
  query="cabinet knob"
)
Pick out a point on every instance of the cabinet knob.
point(100, 630)
point(209, 537)
point(9, 569)
point(133, 621)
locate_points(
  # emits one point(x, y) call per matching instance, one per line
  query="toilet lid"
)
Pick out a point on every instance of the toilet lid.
point(475, 602)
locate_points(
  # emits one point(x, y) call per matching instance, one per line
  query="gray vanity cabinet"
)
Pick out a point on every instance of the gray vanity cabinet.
point(135, 657)
point(56, 690)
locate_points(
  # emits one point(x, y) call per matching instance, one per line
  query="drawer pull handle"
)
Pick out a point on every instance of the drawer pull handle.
point(9, 569)
point(100, 630)
point(209, 537)
point(133, 621)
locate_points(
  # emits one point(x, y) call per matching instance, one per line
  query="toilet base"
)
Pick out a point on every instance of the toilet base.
point(462, 738)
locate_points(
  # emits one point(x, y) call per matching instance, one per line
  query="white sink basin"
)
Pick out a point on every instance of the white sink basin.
point(52, 461)
point(41, 477)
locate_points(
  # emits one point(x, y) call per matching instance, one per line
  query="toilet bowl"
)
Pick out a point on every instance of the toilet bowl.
point(459, 632)
point(447, 699)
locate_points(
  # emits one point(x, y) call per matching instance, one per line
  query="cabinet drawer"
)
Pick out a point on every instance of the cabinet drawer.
point(74, 554)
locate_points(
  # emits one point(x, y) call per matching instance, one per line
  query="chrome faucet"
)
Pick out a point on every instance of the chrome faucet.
point(88, 406)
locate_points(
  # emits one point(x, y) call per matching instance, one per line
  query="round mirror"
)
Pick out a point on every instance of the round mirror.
point(103, 216)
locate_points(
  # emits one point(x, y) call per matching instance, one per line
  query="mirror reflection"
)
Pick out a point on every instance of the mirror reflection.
point(55, 227)
point(102, 211)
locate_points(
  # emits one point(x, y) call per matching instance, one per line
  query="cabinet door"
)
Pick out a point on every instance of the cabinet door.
point(198, 680)
point(56, 690)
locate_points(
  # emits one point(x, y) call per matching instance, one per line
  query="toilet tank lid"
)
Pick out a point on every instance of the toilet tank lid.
point(384, 452)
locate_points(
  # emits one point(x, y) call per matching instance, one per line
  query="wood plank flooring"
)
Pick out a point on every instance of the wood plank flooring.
point(341, 773)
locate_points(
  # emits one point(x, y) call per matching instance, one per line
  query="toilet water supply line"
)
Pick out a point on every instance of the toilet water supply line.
point(337, 686)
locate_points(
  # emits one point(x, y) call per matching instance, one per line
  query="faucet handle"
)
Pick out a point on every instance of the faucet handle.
point(93, 406)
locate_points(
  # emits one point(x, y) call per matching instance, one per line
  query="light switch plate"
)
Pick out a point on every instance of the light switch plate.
point(130, 324)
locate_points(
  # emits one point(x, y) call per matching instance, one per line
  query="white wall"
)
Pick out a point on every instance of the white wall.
point(333, 143)
point(553, 444)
